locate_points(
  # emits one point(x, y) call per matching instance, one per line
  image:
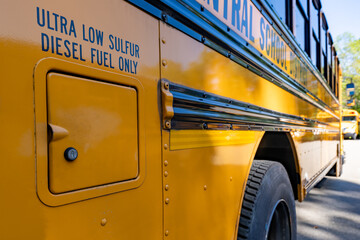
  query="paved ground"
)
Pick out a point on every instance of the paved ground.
point(331, 211)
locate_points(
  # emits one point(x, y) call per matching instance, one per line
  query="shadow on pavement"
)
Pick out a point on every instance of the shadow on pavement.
point(330, 211)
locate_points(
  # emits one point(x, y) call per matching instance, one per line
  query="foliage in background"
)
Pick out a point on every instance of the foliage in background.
point(348, 50)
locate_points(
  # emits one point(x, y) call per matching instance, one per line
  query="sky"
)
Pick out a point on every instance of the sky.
point(342, 16)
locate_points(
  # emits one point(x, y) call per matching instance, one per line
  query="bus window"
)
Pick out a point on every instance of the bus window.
point(301, 26)
point(323, 38)
point(349, 118)
point(279, 7)
point(333, 65)
point(315, 43)
point(283, 10)
point(329, 60)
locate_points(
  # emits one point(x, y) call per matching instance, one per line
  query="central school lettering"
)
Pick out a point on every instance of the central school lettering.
point(245, 25)
point(270, 41)
point(247, 21)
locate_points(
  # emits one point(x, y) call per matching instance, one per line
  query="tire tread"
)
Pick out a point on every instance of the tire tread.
point(256, 175)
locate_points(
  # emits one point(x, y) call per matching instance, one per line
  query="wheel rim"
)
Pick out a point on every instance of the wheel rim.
point(279, 226)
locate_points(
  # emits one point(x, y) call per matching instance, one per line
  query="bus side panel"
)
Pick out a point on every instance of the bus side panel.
point(204, 171)
point(203, 186)
point(25, 39)
point(192, 64)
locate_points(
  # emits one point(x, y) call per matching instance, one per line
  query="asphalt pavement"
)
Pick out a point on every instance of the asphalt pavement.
point(331, 211)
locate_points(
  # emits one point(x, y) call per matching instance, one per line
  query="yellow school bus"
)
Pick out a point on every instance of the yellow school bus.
point(349, 124)
point(172, 119)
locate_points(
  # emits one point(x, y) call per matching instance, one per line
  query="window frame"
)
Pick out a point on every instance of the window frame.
point(288, 12)
point(305, 14)
point(330, 60)
point(315, 33)
point(323, 51)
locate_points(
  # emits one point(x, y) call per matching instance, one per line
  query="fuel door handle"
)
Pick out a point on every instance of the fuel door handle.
point(56, 132)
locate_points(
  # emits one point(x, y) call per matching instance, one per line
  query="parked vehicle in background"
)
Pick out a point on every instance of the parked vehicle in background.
point(350, 123)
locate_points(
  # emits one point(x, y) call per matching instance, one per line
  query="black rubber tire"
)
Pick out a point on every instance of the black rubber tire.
point(268, 208)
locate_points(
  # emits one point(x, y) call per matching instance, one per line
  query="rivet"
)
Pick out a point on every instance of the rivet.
point(167, 233)
point(167, 124)
point(163, 41)
point(103, 222)
point(228, 29)
point(164, 63)
point(167, 200)
point(166, 187)
point(166, 163)
point(205, 187)
point(165, 146)
point(166, 174)
point(230, 179)
point(203, 39)
point(202, 8)
point(166, 85)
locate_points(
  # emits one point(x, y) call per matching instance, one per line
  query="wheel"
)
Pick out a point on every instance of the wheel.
point(354, 136)
point(268, 208)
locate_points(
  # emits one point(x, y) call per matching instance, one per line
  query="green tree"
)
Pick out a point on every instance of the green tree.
point(348, 49)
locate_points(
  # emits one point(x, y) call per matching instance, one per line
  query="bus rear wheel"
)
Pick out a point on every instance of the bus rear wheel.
point(268, 208)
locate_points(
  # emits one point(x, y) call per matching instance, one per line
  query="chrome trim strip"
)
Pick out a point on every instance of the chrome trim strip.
point(197, 109)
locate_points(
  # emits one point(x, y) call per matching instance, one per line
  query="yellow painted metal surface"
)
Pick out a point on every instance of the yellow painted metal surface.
point(203, 185)
point(115, 211)
point(45, 68)
point(102, 122)
point(172, 188)
point(192, 64)
point(183, 139)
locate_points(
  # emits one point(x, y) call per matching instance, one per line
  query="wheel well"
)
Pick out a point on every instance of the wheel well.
point(278, 147)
